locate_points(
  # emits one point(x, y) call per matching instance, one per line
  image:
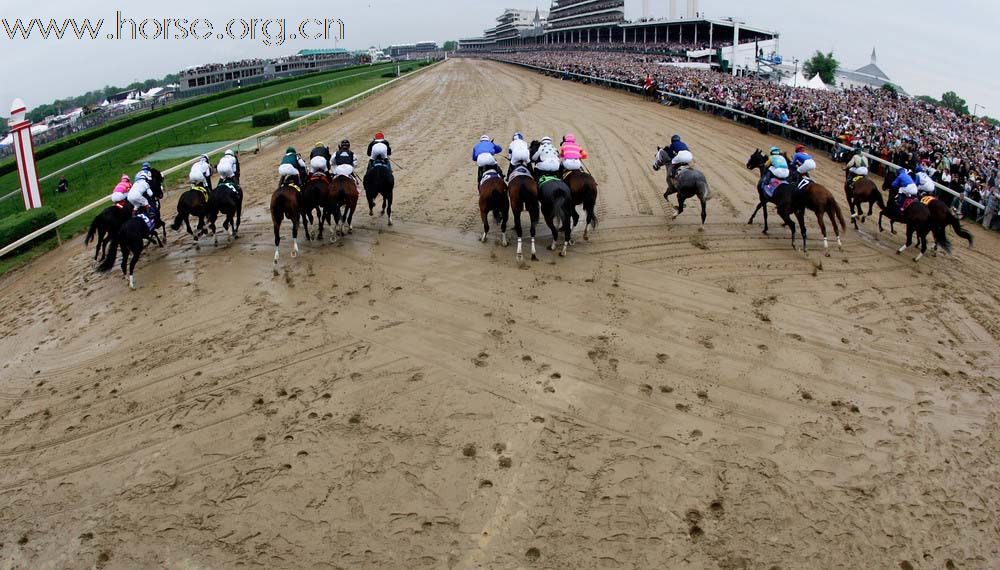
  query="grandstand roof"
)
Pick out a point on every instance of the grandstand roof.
point(721, 23)
point(331, 51)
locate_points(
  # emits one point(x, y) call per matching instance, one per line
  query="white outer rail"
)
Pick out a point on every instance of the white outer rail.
point(739, 112)
point(56, 224)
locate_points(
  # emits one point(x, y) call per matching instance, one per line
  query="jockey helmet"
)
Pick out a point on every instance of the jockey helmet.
point(230, 153)
point(570, 138)
point(920, 168)
point(290, 150)
point(145, 166)
point(800, 148)
point(675, 138)
point(484, 138)
point(379, 137)
point(345, 144)
point(203, 157)
point(775, 150)
point(320, 144)
point(546, 140)
point(518, 137)
point(125, 178)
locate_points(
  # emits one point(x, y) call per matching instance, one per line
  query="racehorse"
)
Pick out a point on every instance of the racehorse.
point(227, 199)
point(583, 188)
point(285, 204)
point(941, 217)
point(782, 196)
point(131, 237)
point(812, 196)
point(493, 198)
point(556, 202)
point(689, 183)
point(317, 194)
point(650, 92)
point(523, 192)
point(917, 218)
point(110, 220)
point(863, 192)
point(194, 202)
point(344, 194)
point(379, 180)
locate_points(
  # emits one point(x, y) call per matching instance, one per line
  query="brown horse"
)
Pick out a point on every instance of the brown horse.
point(493, 198)
point(285, 204)
point(523, 192)
point(583, 188)
point(941, 217)
point(316, 196)
point(864, 191)
point(194, 202)
point(813, 197)
point(344, 195)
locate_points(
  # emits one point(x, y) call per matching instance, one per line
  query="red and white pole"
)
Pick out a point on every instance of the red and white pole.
point(24, 153)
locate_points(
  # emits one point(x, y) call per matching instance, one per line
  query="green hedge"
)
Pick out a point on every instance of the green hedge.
point(390, 74)
point(310, 101)
point(13, 228)
point(271, 118)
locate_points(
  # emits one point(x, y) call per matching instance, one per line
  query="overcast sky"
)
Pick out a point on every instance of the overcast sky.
point(927, 47)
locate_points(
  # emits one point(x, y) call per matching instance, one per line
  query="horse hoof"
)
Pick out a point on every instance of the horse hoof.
point(586, 238)
point(764, 232)
point(534, 257)
point(827, 254)
point(572, 242)
point(295, 254)
point(390, 221)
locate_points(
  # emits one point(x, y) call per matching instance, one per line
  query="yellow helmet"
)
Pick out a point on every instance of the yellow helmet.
point(320, 144)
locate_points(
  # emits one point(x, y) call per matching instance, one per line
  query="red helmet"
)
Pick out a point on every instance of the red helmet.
point(379, 137)
point(800, 148)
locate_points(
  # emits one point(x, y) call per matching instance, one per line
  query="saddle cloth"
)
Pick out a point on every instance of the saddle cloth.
point(519, 171)
point(488, 175)
point(202, 189)
point(772, 186)
point(150, 222)
point(542, 181)
point(928, 200)
point(804, 182)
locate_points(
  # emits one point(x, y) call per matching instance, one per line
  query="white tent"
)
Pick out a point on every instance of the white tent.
point(798, 80)
point(817, 83)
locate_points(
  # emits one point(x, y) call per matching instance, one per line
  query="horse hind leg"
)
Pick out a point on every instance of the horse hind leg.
point(136, 252)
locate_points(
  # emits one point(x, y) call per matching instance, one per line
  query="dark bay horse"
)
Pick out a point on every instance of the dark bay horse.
point(110, 220)
point(941, 217)
point(813, 196)
point(316, 195)
point(131, 238)
point(227, 199)
point(194, 202)
point(864, 191)
point(556, 203)
point(523, 191)
point(493, 198)
point(380, 181)
point(689, 183)
point(285, 205)
point(583, 188)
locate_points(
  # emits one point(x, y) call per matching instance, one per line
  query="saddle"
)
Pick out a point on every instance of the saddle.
point(545, 179)
point(772, 186)
point(521, 170)
point(150, 222)
point(489, 174)
point(380, 164)
point(202, 189)
point(928, 200)
point(806, 181)
point(906, 204)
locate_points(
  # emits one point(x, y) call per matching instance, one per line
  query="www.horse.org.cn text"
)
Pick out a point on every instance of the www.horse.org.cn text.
point(268, 31)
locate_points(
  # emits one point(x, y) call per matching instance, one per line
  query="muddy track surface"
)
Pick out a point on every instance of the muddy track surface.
point(667, 396)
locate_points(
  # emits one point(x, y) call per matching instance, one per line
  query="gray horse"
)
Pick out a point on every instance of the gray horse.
point(689, 183)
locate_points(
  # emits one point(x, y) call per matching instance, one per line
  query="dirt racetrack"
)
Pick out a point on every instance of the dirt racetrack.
point(664, 397)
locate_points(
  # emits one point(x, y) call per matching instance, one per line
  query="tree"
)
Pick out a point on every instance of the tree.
point(928, 99)
point(952, 101)
point(890, 88)
point(825, 66)
point(450, 45)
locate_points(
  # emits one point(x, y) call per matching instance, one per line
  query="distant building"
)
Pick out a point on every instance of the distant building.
point(512, 27)
point(405, 51)
point(870, 75)
point(216, 77)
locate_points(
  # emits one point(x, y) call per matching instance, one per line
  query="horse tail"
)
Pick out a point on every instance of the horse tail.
point(112, 256)
point(703, 190)
point(179, 219)
point(559, 202)
point(92, 231)
point(835, 208)
point(957, 226)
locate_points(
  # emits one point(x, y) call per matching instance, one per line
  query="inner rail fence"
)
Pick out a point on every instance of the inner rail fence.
point(735, 112)
point(54, 226)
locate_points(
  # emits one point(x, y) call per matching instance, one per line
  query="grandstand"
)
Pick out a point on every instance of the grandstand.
point(405, 51)
point(600, 25)
point(219, 77)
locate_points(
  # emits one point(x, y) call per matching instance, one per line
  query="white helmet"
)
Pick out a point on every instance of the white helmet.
point(546, 140)
point(203, 157)
point(484, 138)
point(230, 153)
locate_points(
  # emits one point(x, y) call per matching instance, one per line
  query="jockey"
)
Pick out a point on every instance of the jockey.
point(482, 154)
point(857, 167)
point(201, 173)
point(518, 151)
point(140, 192)
point(572, 154)
point(228, 167)
point(803, 162)
point(379, 151)
point(121, 190)
point(924, 183)
point(777, 168)
point(546, 158)
point(905, 185)
point(679, 153)
point(344, 160)
point(290, 167)
point(319, 158)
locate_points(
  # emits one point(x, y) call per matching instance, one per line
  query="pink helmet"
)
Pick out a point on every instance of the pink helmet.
point(125, 178)
point(570, 138)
